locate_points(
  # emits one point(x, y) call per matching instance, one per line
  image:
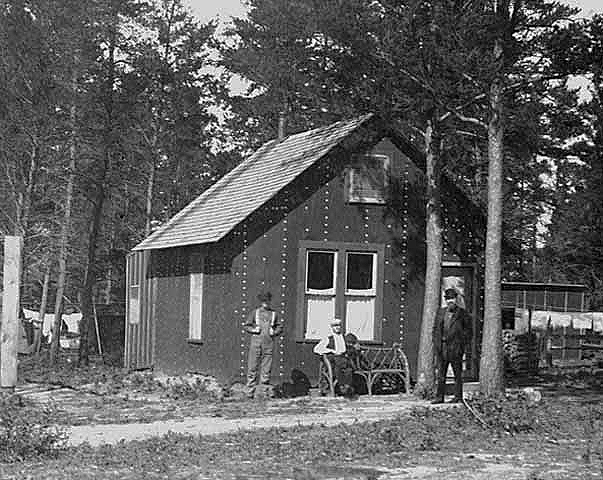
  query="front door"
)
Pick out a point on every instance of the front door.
point(463, 279)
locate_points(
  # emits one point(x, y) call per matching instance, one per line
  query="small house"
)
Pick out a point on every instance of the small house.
point(331, 221)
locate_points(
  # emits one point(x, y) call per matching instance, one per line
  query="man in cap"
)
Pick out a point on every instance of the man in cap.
point(451, 334)
point(264, 325)
point(335, 346)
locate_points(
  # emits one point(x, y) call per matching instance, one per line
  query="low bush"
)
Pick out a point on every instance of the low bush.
point(510, 415)
point(26, 430)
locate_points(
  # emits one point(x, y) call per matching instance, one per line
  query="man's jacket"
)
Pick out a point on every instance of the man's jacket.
point(458, 335)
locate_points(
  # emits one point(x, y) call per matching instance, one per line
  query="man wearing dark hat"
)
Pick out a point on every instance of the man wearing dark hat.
point(451, 333)
point(264, 325)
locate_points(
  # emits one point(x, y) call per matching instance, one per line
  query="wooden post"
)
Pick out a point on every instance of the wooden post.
point(549, 343)
point(564, 345)
point(9, 330)
point(529, 342)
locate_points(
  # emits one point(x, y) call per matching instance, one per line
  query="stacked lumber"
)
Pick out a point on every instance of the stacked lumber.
point(520, 352)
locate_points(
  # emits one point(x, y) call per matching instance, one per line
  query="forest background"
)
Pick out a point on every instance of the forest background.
point(114, 114)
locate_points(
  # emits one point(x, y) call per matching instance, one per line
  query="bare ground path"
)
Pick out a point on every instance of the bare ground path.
point(473, 462)
point(341, 411)
point(281, 413)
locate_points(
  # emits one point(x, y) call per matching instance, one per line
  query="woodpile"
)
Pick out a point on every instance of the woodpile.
point(521, 352)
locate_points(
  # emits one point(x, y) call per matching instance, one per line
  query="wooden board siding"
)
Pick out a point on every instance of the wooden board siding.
point(346, 223)
point(251, 258)
point(213, 353)
point(140, 335)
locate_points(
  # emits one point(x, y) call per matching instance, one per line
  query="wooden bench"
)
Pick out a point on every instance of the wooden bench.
point(369, 364)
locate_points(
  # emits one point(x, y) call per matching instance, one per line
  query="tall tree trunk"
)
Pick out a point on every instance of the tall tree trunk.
point(65, 229)
point(433, 270)
point(27, 199)
point(23, 210)
point(87, 293)
point(149, 200)
point(42, 313)
point(491, 363)
point(23, 199)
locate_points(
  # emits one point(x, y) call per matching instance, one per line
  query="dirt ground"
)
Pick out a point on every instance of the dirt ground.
point(278, 414)
point(148, 436)
point(201, 418)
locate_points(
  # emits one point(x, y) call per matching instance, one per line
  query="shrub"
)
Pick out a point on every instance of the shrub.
point(27, 431)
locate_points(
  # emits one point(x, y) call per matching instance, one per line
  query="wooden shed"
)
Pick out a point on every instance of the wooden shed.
point(331, 221)
point(556, 297)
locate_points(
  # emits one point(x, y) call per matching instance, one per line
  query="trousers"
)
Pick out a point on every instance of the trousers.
point(342, 369)
point(449, 356)
point(260, 358)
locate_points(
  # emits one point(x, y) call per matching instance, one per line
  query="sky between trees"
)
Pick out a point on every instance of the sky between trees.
point(207, 9)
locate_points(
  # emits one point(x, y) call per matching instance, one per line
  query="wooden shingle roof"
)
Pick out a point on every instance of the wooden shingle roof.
point(214, 213)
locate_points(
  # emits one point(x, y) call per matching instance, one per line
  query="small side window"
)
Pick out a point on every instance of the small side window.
point(134, 305)
point(196, 306)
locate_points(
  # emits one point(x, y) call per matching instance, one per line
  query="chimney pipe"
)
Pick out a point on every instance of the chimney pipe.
point(281, 126)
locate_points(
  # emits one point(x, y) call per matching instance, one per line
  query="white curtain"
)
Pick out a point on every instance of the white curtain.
point(360, 317)
point(320, 312)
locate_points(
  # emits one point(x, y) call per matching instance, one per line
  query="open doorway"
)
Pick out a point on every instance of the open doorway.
point(463, 278)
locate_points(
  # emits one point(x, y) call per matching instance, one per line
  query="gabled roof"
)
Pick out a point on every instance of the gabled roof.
point(214, 213)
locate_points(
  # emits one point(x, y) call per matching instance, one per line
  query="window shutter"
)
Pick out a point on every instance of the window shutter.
point(368, 179)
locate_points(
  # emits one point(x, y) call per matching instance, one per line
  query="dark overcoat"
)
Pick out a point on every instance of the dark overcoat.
point(458, 335)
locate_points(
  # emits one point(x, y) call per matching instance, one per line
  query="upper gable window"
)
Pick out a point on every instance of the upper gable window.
point(367, 179)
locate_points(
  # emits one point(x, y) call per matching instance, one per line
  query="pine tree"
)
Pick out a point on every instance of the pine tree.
point(574, 248)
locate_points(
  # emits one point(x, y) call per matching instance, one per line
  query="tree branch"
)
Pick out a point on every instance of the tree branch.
point(473, 120)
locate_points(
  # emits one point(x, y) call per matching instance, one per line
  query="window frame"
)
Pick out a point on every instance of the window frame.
point(328, 292)
point(340, 289)
point(134, 313)
point(351, 197)
point(361, 293)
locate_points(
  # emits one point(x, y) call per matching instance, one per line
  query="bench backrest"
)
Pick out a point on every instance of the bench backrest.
point(381, 358)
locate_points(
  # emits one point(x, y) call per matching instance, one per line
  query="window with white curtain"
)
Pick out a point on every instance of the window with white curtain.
point(320, 289)
point(360, 294)
point(340, 279)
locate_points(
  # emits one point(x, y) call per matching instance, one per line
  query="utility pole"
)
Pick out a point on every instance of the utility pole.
point(9, 330)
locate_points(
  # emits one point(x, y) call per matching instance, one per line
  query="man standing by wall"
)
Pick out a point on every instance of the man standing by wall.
point(451, 333)
point(264, 325)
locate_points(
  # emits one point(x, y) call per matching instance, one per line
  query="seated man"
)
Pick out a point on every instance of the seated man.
point(334, 347)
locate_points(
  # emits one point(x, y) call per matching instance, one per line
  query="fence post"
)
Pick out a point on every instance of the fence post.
point(549, 343)
point(529, 342)
point(9, 330)
point(564, 344)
